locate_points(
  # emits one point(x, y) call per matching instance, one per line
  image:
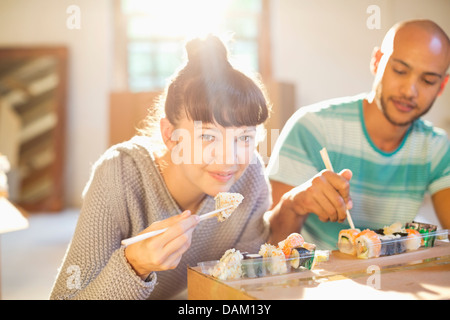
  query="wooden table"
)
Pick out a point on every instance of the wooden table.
point(422, 274)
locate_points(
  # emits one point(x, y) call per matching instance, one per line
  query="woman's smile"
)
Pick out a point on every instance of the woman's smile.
point(222, 176)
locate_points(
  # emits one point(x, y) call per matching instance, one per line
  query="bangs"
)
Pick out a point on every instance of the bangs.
point(228, 101)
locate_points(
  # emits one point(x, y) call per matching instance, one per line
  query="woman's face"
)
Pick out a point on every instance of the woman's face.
point(210, 157)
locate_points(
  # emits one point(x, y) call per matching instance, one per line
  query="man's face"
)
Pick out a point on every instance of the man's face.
point(412, 78)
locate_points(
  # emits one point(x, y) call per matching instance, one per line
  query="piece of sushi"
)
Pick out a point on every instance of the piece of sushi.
point(265, 251)
point(426, 230)
point(300, 257)
point(413, 240)
point(346, 241)
point(387, 246)
point(368, 244)
point(292, 241)
point(226, 199)
point(252, 266)
point(400, 241)
point(275, 260)
point(392, 244)
point(229, 266)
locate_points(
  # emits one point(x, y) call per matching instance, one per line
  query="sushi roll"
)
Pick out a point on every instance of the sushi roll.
point(226, 199)
point(346, 241)
point(265, 251)
point(292, 241)
point(368, 244)
point(401, 241)
point(426, 230)
point(387, 245)
point(252, 266)
point(413, 240)
point(392, 244)
point(229, 266)
point(300, 257)
point(275, 260)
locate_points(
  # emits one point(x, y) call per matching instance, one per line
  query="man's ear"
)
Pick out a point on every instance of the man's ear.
point(443, 84)
point(167, 130)
point(375, 61)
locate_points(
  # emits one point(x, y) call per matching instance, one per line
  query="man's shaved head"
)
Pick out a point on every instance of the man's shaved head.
point(426, 31)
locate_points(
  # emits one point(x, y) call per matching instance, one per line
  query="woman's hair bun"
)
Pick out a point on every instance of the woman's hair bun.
point(208, 51)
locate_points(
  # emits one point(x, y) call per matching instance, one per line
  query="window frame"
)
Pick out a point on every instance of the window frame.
point(120, 66)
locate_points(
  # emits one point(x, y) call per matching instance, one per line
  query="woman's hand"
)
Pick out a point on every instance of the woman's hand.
point(164, 251)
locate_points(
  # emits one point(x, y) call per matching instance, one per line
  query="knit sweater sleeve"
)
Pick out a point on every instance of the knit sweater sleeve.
point(95, 266)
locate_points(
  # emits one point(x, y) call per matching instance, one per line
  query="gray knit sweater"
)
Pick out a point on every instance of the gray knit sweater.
point(124, 195)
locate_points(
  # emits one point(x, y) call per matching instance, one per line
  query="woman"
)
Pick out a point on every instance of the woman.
point(208, 135)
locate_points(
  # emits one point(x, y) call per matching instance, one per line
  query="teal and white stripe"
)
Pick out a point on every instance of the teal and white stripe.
point(385, 188)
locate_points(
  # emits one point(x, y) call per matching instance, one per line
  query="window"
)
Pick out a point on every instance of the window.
point(153, 33)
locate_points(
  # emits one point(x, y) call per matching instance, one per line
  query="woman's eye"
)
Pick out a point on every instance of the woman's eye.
point(208, 137)
point(245, 139)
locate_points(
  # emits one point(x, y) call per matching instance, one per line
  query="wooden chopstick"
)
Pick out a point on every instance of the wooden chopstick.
point(140, 237)
point(329, 166)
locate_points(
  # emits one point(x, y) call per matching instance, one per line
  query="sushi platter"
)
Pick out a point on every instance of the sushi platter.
point(254, 266)
point(290, 255)
point(414, 267)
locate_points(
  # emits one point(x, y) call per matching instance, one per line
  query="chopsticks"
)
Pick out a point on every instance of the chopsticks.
point(213, 213)
point(328, 165)
point(140, 237)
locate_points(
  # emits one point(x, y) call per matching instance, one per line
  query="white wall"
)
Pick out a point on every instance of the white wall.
point(33, 22)
point(325, 46)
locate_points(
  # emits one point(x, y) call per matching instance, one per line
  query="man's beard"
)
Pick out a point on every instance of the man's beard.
point(382, 103)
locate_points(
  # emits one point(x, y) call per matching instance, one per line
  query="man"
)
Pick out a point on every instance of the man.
point(394, 157)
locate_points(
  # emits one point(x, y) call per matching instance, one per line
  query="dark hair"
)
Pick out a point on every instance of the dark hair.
point(209, 89)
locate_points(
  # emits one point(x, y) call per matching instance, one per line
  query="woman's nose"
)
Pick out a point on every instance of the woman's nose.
point(229, 154)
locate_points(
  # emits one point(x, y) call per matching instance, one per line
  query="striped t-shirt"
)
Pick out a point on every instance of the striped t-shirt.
point(385, 187)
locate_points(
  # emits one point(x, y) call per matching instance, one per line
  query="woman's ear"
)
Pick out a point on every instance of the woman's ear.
point(167, 130)
point(375, 61)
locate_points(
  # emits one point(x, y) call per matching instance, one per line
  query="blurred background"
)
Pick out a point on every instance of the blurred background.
point(77, 76)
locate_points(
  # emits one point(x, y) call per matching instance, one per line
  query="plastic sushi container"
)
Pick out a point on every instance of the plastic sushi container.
point(236, 265)
point(389, 241)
